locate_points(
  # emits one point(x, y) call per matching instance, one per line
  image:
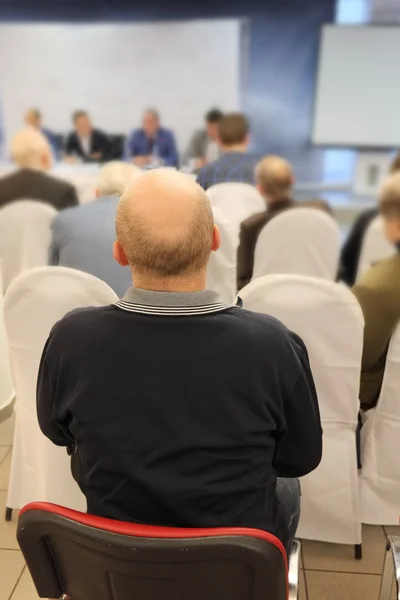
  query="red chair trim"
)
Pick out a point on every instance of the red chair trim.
point(151, 531)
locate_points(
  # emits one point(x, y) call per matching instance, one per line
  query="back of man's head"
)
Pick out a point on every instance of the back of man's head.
point(274, 177)
point(395, 166)
point(234, 131)
point(390, 206)
point(31, 150)
point(165, 227)
point(115, 177)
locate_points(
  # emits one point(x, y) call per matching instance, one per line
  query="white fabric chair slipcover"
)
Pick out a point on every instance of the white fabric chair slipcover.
point(35, 301)
point(238, 201)
point(6, 385)
point(25, 235)
point(375, 247)
point(221, 270)
point(84, 177)
point(301, 241)
point(328, 318)
point(380, 479)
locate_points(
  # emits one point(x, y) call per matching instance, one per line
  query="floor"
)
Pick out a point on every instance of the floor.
point(329, 572)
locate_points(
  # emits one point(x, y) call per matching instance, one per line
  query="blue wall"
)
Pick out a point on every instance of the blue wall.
point(283, 50)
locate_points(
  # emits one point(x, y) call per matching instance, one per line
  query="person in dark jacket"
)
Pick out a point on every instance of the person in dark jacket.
point(351, 250)
point(86, 143)
point(31, 152)
point(183, 410)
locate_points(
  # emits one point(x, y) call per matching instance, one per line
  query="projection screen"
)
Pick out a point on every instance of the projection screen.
point(358, 89)
point(115, 71)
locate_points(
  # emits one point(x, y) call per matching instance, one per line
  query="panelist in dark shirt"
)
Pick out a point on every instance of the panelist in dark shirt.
point(86, 143)
point(183, 410)
point(152, 145)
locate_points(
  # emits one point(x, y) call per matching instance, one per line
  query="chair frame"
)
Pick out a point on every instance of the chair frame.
point(90, 524)
point(391, 570)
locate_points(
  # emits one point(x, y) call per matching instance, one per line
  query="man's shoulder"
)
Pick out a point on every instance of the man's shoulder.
point(168, 133)
point(263, 327)
point(56, 182)
point(99, 133)
point(255, 221)
point(81, 320)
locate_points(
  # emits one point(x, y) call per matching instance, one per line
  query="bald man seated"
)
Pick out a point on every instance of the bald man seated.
point(182, 410)
point(32, 155)
point(274, 180)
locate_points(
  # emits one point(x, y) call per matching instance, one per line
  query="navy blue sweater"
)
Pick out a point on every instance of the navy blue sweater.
point(183, 414)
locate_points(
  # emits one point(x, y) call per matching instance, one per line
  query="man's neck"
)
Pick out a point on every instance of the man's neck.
point(195, 283)
point(234, 148)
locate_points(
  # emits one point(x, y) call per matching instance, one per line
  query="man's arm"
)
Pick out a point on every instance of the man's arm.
point(46, 395)
point(245, 256)
point(70, 145)
point(69, 198)
point(171, 159)
point(299, 444)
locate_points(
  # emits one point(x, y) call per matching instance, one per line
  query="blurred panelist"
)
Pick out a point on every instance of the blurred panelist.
point(274, 177)
point(152, 145)
point(235, 164)
point(33, 118)
point(86, 143)
point(183, 410)
point(83, 236)
point(204, 147)
point(378, 293)
point(351, 251)
point(31, 153)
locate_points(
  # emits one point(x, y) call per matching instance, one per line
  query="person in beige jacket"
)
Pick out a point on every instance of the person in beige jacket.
point(378, 293)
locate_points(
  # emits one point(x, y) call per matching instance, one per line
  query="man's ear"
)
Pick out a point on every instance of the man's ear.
point(119, 254)
point(216, 239)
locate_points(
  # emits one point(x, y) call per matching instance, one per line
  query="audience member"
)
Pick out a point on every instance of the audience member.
point(83, 236)
point(33, 118)
point(152, 145)
point(351, 250)
point(182, 410)
point(32, 154)
point(378, 293)
point(86, 143)
point(203, 147)
point(274, 177)
point(235, 164)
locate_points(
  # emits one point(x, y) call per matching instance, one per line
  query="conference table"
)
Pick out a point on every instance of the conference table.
point(83, 176)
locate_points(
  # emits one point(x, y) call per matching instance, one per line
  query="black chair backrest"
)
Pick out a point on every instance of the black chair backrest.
point(117, 144)
point(91, 558)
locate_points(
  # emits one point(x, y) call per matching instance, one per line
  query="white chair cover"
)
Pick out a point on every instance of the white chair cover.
point(238, 201)
point(84, 177)
point(33, 304)
point(221, 271)
point(302, 241)
point(25, 234)
point(6, 385)
point(375, 247)
point(328, 318)
point(380, 435)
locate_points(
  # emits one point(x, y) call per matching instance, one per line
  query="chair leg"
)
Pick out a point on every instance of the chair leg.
point(8, 515)
point(358, 551)
point(388, 576)
point(294, 564)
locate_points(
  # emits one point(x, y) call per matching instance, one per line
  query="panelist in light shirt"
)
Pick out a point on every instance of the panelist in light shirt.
point(203, 147)
point(86, 143)
point(33, 118)
point(152, 145)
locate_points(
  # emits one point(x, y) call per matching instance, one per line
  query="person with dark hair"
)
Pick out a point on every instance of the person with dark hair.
point(378, 293)
point(183, 410)
point(351, 250)
point(203, 147)
point(151, 145)
point(86, 143)
point(235, 164)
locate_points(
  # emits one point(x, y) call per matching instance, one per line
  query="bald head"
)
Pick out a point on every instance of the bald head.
point(30, 149)
point(165, 225)
point(274, 177)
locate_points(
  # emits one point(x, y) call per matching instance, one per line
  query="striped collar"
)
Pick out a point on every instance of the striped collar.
point(148, 302)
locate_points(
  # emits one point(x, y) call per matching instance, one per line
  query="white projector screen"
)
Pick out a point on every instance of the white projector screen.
point(115, 71)
point(358, 90)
